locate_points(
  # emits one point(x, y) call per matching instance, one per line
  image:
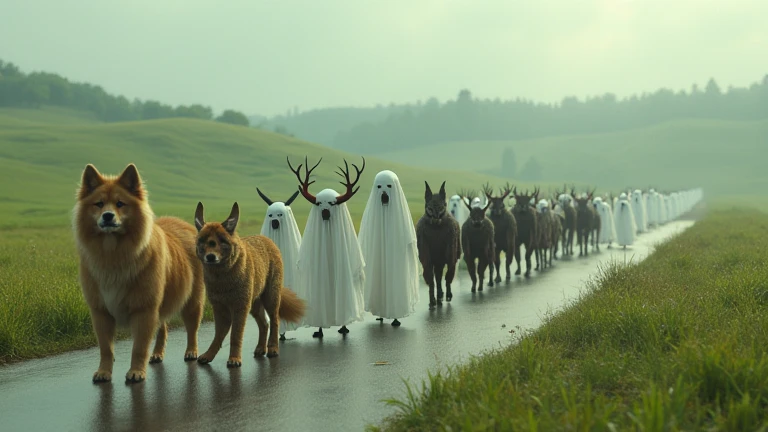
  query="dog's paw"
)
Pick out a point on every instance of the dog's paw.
point(234, 362)
point(272, 353)
point(259, 352)
point(205, 358)
point(156, 358)
point(190, 355)
point(135, 376)
point(102, 376)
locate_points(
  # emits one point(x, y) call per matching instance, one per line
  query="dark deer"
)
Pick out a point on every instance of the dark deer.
point(505, 230)
point(477, 244)
point(527, 225)
point(585, 215)
point(439, 244)
point(351, 190)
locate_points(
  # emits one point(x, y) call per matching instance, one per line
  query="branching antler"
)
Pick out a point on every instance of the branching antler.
point(304, 184)
point(350, 185)
point(488, 190)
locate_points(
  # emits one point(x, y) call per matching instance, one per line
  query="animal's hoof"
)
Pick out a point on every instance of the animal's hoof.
point(498, 278)
point(317, 334)
point(156, 358)
point(480, 288)
point(102, 376)
point(190, 356)
point(234, 362)
point(259, 352)
point(396, 323)
point(282, 336)
point(448, 297)
point(509, 277)
point(272, 353)
point(343, 330)
point(205, 359)
point(490, 283)
point(517, 273)
point(135, 376)
point(474, 289)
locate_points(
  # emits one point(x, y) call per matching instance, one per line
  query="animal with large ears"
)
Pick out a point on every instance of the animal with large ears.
point(439, 243)
point(280, 226)
point(570, 219)
point(331, 267)
point(527, 227)
point(243, 275)
point(585, 215)
point(477, 242)
point(505, 230)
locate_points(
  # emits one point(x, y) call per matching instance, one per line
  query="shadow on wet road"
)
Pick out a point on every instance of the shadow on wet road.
point(315, 385)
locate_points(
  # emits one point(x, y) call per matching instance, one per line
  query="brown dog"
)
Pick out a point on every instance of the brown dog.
point(243, 275)
point(135, 271)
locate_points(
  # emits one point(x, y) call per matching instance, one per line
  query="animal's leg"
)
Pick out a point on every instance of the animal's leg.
point(482, 264)
point(222, 321)
point(239, 318)
point(259, 314)
point(159, 351)
point(143, 326)
point(192, 314)
point(529, 249)
point(439, 282)
point(489, 264)
point(104, 327)
point(429, 278)
point(497, 263)
point(508, 255)
point(450, 273)
point(517, 258)
point(537, 253)
point(270, 301)
point(472, 271)
point(586, 242)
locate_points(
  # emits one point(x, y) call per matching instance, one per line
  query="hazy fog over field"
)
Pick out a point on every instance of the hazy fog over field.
point(267, 56)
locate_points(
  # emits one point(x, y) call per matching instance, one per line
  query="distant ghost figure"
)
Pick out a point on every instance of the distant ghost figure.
point(458, 210)
point(640, 213)
point(607, 226)
point(388, 242)
point(624, 220)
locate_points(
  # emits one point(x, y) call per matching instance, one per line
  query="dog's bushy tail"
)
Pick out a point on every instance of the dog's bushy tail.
point(292, 308)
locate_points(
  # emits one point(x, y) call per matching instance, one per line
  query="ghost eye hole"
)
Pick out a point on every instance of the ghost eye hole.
point(279, 215)
point(270, 215)
point(389, 186)
point(379, 186)
point(99, 204)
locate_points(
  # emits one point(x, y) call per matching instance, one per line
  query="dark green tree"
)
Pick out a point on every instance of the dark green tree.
point(233, 117)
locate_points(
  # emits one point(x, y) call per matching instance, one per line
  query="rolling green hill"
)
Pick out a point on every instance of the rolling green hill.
point(723, 157)
point(182, 161)
point(48, 115)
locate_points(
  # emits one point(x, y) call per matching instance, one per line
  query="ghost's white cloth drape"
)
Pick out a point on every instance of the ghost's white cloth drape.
point(331, 268)
point(388, 242)
point(625, 222)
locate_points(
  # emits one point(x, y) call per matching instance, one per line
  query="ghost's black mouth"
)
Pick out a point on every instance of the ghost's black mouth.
point(275, 224)
point(326, 214)
point(384, 198)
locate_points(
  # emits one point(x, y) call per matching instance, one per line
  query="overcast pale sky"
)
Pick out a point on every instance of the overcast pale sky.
point(267, 56)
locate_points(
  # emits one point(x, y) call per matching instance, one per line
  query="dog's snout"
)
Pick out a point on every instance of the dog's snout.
point(108, 216)
point(326, 214)
point(210, 258)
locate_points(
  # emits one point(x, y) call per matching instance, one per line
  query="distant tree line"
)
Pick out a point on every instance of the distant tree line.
point(471, 119)
point(37, 89)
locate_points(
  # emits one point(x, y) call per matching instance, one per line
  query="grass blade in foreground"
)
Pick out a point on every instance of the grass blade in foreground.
point(676, 342)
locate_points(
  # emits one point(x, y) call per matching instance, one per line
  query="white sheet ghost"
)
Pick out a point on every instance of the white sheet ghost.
point(388, 241)
point(457, 209)
point(640, 213)
point(607, 225)
point(330, 268)
point(652, 208)
point(624, 220)
point(280, 226)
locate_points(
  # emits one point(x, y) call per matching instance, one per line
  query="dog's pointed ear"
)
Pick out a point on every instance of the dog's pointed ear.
point(231, 223)
point(199, 218)
point(131, 181)
point(92, 179)
point(290, 200)
point(427, 192)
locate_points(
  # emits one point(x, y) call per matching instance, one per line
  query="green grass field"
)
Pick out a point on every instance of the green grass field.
point(723, 157)
point(676, 342)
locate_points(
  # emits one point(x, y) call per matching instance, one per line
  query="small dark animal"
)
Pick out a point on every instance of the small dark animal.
point(477, 244)
point(585, 215)
point(525, 215)
point(505, 231)
point(439, 244)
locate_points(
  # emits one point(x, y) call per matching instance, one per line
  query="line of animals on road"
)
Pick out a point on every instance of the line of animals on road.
point(137, 270)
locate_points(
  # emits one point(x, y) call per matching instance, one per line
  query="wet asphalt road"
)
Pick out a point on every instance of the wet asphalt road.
point(315, 385)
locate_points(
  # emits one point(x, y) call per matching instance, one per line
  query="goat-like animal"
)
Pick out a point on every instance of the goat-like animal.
point(439, 244)
point(477, 243)
point(505, 231)
point(585, 215)
point(527, 225)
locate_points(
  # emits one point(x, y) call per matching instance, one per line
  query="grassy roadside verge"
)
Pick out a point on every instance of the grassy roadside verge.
point(676, 342)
